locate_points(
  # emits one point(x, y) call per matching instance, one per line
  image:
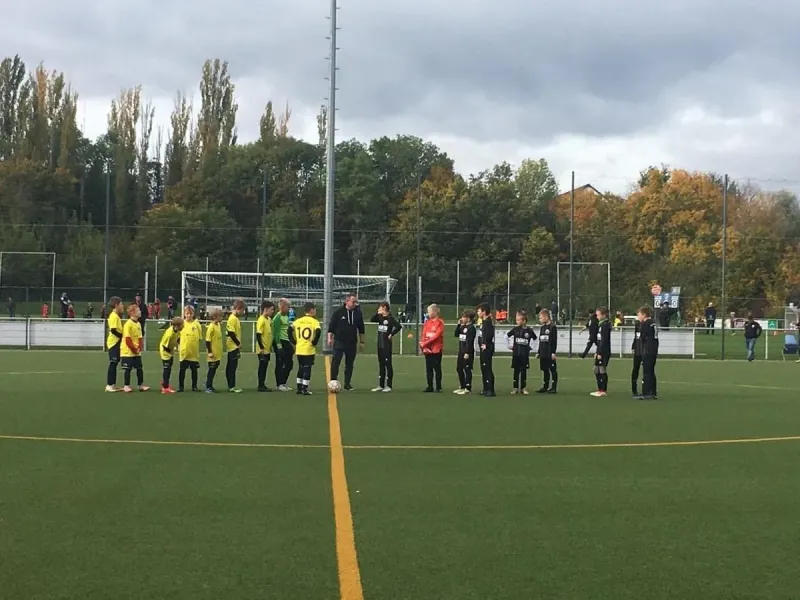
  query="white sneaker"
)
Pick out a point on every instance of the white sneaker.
point(459, 391)
point(111, 388)
point(386, 390)
point(377, 389)
point(284, 388)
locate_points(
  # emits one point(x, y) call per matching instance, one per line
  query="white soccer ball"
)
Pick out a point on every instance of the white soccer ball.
point(334, 387)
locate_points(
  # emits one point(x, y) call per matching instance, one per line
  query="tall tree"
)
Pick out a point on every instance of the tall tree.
point(216, 123)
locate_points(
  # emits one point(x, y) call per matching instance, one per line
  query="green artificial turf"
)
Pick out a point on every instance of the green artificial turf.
point(101, 520)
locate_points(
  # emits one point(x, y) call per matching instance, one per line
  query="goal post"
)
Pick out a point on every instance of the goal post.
point(5, 256)
point(221, 288)
point(591, 284)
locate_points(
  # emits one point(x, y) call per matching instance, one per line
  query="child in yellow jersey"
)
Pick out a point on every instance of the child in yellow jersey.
point(213, 348)
point(166, 349)
point(264, 341)
point(114, 342)
point(305, 333)
point(190, 348)
point(131, 350)
point(233, 345)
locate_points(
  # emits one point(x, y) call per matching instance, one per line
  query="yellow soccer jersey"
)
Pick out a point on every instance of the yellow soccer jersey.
point(166, 347)
point(306, 331)
point(191, 335)
point(214, 339)
point(264, 327)
point(131, 331)
point(233, 325)
point(114, 322)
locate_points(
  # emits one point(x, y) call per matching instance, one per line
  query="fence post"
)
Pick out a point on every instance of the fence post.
point(508, 287)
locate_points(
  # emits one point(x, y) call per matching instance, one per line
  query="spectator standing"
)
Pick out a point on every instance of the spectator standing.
point(752, 331)
point(65, 302)
point(143, 309)
point(711, 318)
point(11, 308)
point(345, 334)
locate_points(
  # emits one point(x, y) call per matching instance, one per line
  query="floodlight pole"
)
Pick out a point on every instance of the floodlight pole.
point(108, 235)
point(419, 246)
point(330, 179)
point(571, 255)
point(724, 257)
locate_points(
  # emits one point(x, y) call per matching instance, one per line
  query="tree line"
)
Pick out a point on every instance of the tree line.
point(192, 190)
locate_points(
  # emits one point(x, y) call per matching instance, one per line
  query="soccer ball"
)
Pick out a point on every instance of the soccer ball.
point(334, 387)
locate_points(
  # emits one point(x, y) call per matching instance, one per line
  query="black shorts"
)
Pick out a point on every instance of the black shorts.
point(546, 362)
point(113, 353)
point(234, 354)
point(131, 362)
point(602, 362)
point(305, 360)
point(520, 362)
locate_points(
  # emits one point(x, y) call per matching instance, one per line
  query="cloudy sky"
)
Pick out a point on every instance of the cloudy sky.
point(602, 87)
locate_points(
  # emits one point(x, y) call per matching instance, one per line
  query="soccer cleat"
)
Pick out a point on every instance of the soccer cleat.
point(596, 393)
point(144, 388)
point(348, 387)
point(386, 390)
point(514, 392)
point(194, 389)
point(542, 390)
point(111, 388)
point(180, 390)
point(263, 388)
point(235, 391)
point(466, 392)
point(127, 389)
point(377, 389)
point(307, 393)
point(210, 390)
point(524, 392)
point(552, 390)
point(460, 392)
point(638, 397)
point(168, 390)
point(427, 390)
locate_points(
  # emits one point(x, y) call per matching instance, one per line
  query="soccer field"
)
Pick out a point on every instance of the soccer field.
point(452, 498)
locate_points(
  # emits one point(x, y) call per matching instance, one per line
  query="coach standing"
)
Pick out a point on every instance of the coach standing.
point(345, 334)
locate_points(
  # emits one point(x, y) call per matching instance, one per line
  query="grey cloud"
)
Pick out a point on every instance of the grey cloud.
point(505, 70)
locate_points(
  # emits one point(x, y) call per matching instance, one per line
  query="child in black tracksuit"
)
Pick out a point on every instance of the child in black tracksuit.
point(465, 332)
point(637, 361)
point(520, 340)
point(603, 352)
point(591, 325)
point(548, 346)
point(388, 327)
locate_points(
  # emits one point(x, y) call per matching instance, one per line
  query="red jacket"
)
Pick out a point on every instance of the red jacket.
point(432, 337)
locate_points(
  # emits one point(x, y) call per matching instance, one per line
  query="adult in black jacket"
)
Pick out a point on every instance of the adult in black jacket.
point(345, 334)
point(592, 326)
point(752, 331)
point(143, 310)
point(711, 317)
point(648, 346)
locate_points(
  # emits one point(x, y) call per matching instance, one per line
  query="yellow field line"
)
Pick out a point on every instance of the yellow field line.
point(37, 438)
point(347, 559)
point(793, 438)
point(337, 464)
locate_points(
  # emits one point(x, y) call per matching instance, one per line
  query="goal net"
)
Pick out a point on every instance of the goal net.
point(220, 289)
point(591, 287)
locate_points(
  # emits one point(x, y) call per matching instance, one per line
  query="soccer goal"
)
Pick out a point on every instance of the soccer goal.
point(220, 289)
point(591, 286)
point(28, 276)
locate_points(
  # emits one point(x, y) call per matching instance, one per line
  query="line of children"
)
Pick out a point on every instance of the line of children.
point(305, 333)
point(520, 340)
point(388, 327)
point(170, 341)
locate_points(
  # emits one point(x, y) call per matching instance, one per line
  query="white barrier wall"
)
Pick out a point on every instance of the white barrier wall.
point(672, 342)
point(52, 333)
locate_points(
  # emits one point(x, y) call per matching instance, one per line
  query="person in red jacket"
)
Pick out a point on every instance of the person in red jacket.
point(432, 345)
point(45, 311)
